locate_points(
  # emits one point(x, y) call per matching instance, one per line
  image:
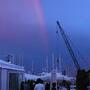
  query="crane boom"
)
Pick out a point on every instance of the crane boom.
point(69, 46)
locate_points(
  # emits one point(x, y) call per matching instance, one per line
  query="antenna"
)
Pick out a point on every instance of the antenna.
point(32, 67)
point(22, 61)
point(57, 64)
point(60, 65)
point(19, 59)
point(53, 65)
point(43, 68)
point(47, 64)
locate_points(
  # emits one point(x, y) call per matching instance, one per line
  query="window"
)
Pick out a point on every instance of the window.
point(13, 81)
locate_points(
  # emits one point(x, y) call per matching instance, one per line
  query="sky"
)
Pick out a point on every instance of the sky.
point(27, 29)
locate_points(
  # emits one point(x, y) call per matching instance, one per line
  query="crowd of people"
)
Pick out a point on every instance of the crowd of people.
point(44, 85)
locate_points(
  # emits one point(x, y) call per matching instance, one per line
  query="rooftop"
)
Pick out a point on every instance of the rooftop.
point(8, 65)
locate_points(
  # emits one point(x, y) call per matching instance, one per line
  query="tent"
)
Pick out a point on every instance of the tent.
point(59, 76)
point(30, 77)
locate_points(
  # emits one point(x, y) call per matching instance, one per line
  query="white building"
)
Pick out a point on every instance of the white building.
point(10, 76)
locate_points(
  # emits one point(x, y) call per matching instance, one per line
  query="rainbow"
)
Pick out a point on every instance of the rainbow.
point(41, 21)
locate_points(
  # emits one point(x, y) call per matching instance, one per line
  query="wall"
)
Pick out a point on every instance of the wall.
point(3, 79)
point(4, 73)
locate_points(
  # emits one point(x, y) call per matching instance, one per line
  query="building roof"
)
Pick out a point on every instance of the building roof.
point(31, 76)
point(7, 65)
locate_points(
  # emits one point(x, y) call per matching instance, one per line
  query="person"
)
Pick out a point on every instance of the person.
point(53, 86)
point(39, 85)
point(63, 88)
point(31, 84)
point(22, 85)
point(47, 86)
point(26, 86)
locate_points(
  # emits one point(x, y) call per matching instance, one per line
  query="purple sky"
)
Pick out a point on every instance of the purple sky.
point(27, 28)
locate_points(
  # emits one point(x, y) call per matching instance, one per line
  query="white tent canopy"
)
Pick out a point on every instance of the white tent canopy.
point(31, 77)
point(59, 76)
point(47, 76)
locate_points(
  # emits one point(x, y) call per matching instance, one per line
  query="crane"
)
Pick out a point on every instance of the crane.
point(82, 75)
point(71, 52)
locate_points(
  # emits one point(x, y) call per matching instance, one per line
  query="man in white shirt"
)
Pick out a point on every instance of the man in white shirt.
point(39, 85)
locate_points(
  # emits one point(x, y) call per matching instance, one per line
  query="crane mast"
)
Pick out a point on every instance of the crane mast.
point(69, 47)
point(82, 75)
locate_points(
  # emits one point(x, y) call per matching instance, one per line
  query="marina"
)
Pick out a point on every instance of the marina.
point(44, 44)
point(14, 77)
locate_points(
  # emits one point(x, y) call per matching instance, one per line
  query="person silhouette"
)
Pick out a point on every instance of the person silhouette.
point(47, 86)
point(53, 86)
